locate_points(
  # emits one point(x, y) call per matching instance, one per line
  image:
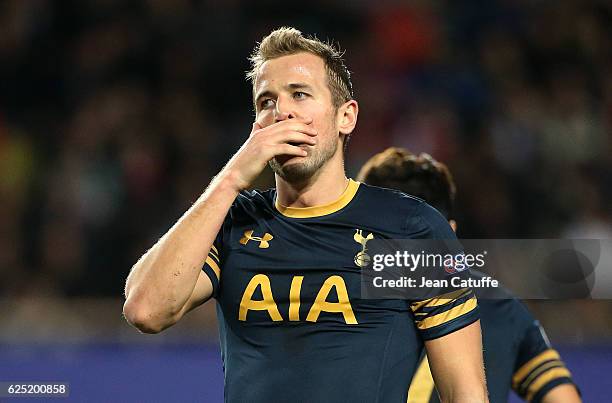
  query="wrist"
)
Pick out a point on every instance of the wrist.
point(228, 179)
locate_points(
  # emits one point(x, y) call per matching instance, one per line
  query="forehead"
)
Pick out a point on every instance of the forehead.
point(300, 67)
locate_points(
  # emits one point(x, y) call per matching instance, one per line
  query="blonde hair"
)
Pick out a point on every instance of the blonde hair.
point(287, 41)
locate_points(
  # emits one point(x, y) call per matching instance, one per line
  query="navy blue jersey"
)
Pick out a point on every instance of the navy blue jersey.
point(517, 355)
point(292, 325)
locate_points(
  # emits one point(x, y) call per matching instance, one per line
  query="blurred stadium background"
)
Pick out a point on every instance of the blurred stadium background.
point(114, 115)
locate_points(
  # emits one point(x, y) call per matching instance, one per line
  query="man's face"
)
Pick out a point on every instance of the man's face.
point(296, 87)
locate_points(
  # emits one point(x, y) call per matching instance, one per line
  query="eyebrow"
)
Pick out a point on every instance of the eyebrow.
point(263, 94)
point(291, 86)
point(299, 86)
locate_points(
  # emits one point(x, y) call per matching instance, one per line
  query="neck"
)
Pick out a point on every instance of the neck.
point(325, 186)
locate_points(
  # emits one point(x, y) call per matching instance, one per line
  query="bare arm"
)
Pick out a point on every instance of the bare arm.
point(457, 365)
point(167, 282)
point(565, 393)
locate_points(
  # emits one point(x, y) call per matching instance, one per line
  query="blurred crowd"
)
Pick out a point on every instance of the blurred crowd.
point(115, 115)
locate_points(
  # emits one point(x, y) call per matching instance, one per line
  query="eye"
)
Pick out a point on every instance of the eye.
point(266, 103)
point(299, 95)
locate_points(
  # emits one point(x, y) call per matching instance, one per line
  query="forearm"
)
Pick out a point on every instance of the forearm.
point(474, 396)
point(162, 280)
point(471, 390)
point(457, 366)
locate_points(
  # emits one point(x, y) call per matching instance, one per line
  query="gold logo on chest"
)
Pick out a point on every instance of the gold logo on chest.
point(362, 259)
point(264, 241)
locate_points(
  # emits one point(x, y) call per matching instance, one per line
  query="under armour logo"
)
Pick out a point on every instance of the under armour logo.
point(263, 241)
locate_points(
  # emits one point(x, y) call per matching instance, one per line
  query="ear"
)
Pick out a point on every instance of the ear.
point(347, 117)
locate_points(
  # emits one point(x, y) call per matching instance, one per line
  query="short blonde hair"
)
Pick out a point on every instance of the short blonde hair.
point(287, 41)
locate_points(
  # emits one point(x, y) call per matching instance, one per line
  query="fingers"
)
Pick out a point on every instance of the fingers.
point(300, 122)
point(288, 149)
point(288, 126)
point(291, 130)
point(295, 137)
point(300, 127)
point(284, 137)
point(297, 124)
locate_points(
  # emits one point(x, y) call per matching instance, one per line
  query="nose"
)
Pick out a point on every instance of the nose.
point(283, 110)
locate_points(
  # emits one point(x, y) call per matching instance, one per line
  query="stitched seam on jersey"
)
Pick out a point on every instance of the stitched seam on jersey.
point(385, 357)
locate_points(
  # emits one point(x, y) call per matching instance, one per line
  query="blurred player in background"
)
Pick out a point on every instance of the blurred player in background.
point(283, 266)
point(517, 352)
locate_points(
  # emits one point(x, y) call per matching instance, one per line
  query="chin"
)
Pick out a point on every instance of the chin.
point(297, 160)
point(293, 170)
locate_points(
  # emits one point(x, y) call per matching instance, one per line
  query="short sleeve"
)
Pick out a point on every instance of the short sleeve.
point(214, 261)
point(449, 312)
point(538, 367)
point(212, 266)
point(425, 222)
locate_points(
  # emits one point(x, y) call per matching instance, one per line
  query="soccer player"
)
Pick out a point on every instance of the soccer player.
point(516, 350)
point(282, 264)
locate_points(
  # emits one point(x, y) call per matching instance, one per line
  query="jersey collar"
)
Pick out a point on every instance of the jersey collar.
point(318, 211)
